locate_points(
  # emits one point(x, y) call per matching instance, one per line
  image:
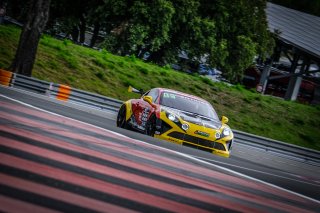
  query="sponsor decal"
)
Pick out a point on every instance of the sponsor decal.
point(204, 134)
point(169, 95)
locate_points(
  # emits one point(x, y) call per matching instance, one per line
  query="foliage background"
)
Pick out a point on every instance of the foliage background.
point(223, 34)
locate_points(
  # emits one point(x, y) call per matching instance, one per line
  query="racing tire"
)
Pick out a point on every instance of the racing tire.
point(151, 126)
point(121, 118)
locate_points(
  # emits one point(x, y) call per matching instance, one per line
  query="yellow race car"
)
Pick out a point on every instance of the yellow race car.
point(178, 118)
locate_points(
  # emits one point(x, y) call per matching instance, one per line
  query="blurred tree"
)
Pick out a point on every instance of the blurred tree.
point(138, 29)
point(161, 28)
point(110, 16)
point(241, 34)
point(189, 33)
point(226, 34)
point(73, 18)
point(16, 9)
point(69, 17)
point(37, 16)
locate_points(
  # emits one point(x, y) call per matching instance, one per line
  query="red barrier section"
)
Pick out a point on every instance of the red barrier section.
point(63, 92)
point(5, 77)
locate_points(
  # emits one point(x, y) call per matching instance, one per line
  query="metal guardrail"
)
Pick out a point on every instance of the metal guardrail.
point(279, 147)
point(95, 100)
point(71, 94)
point(65, 93)
point(30, 84)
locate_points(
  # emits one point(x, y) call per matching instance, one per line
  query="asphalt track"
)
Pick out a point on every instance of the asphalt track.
point(49, 162)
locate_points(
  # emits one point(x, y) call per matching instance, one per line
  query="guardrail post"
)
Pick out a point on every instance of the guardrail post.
point(14, 76)
point(48, 91)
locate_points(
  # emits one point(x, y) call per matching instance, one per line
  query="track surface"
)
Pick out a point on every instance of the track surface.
point(53, 163)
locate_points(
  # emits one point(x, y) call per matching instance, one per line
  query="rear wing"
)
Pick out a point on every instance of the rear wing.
point(134, 90)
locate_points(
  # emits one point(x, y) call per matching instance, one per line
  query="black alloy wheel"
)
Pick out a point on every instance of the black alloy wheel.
point(121, 118)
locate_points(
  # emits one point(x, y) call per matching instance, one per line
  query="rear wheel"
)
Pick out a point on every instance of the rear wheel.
point(151, 126)
point(121, 118)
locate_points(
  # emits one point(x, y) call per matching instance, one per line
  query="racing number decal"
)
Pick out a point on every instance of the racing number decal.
point(144, 116)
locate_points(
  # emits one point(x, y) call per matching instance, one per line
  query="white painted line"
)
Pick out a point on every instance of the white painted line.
point(175, 152)
point(249, 177)
point(71, 104)
point(257, 171)
point(52, 113)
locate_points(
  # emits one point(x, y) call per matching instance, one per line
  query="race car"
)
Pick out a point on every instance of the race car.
point(178, 118)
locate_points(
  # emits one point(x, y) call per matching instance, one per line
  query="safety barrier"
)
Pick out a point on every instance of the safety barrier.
point(5, 77)
point(58, 91)
point(279, 147)
point(63, 92)
point(30, 84)
point(68, 94)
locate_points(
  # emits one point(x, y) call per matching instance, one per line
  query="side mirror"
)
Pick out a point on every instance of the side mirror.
point(224, 120)
point(148, 99)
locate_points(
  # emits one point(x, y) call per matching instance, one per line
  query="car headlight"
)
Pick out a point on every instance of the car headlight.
point(172, 117)
point(226, 132)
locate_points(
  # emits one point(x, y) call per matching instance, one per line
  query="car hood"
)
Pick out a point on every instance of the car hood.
point(195, 118)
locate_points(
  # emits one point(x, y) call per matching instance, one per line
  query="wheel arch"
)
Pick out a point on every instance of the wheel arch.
point(128, 106)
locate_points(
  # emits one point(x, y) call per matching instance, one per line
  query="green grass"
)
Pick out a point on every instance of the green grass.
point(110, 75)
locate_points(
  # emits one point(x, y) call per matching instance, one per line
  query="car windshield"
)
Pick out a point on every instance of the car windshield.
point(188, 104)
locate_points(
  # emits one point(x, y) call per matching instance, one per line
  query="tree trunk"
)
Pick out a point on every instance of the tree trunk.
point(82, 28)
point(95, 34)
point(75, 34)
point(37, 17)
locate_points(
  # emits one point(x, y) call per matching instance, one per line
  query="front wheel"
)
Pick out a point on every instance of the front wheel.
point(151, 126)
point(121, 118)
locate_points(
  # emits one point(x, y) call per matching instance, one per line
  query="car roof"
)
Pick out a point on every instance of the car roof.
point(180, 93)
